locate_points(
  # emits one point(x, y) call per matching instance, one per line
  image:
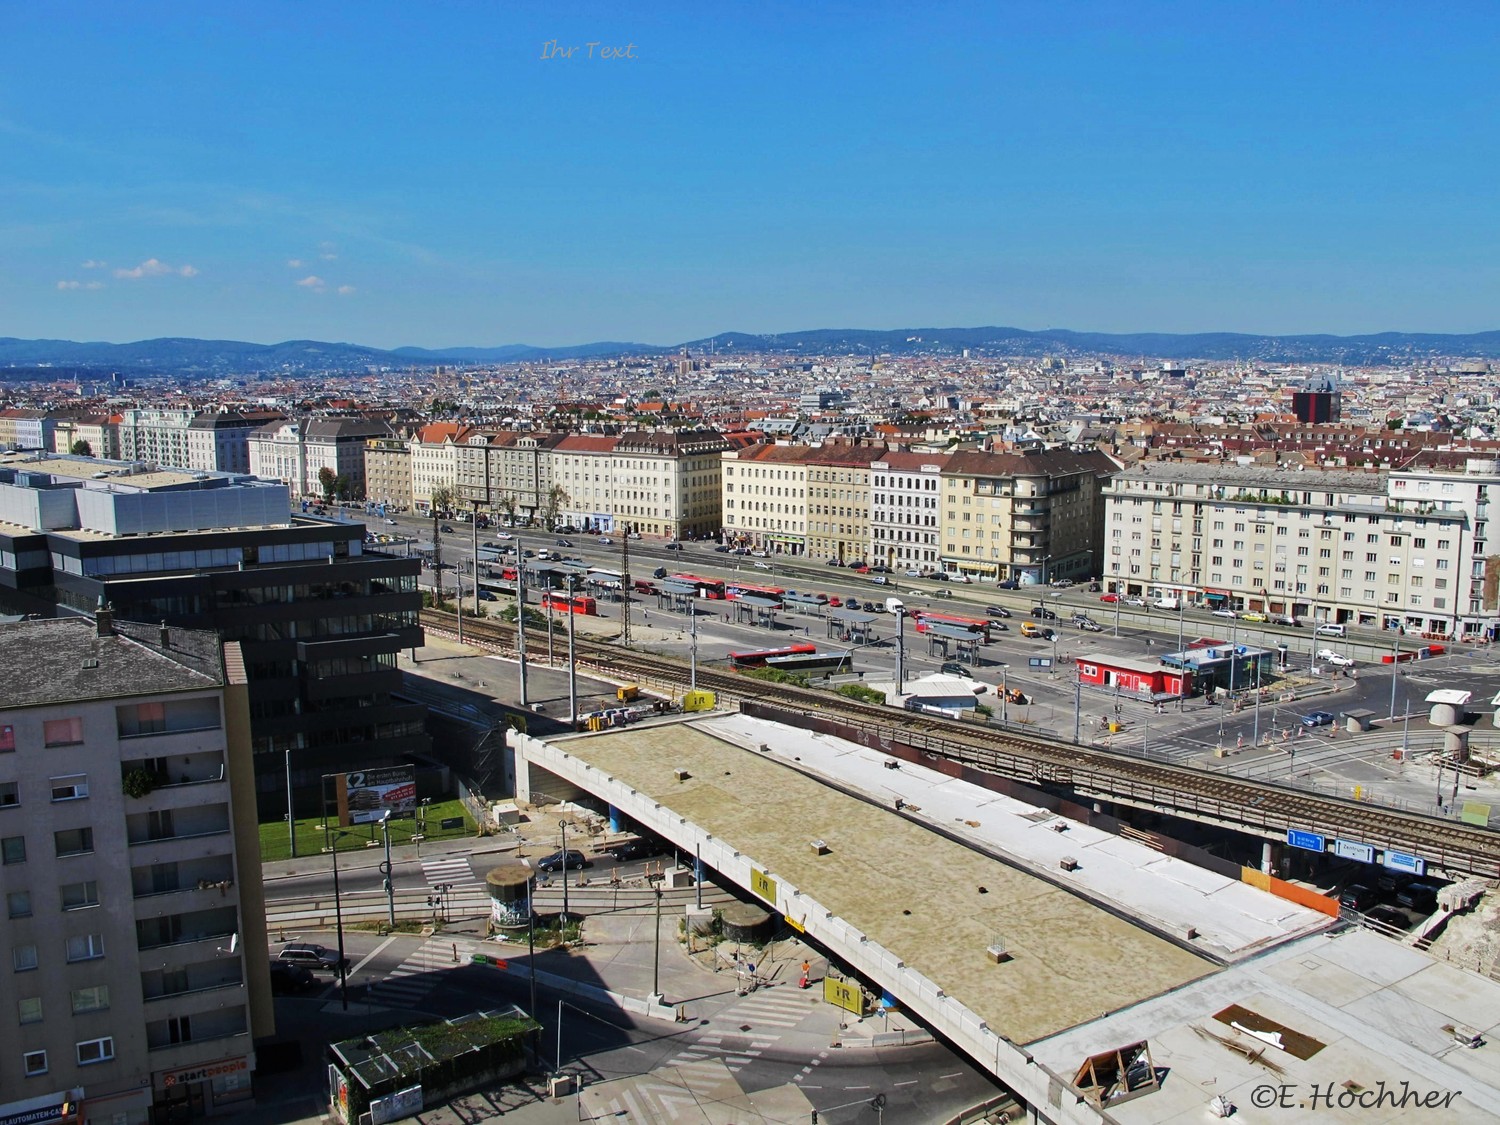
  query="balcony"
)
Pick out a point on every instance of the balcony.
point(185, 931)
point(174, 825)
point(206, 874)
point(191, 980)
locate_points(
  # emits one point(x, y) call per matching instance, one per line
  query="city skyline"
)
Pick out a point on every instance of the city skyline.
point(266, 174)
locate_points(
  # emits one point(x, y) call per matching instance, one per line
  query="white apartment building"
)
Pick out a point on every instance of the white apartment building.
point(296, 450)
point(434, 461)
point(905, 489)
point(134, 951)
point(156, 434)
point(1403, 549)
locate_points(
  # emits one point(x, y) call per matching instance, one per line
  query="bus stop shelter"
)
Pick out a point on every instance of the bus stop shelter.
point(939, 637)
point(852, 625)
point(805, 603)
point(752, 609)
point(676, 596)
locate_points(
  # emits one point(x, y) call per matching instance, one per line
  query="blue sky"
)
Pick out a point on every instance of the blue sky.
point(419, 174)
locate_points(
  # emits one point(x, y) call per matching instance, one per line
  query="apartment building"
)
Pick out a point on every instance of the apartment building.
point(156, 434)
point(839, 500)
point(100, 431)
point(319, 618)
point(905, 490)
point(26, 429)
point(1404, 549)
point(388, 472)
point(666, 482)
point(521, 473)
point(219, 441)
point(1031, 515)
point(582, 468)
point(765, 497)
point(135, 936)
point(434, 461)
point(297, 450)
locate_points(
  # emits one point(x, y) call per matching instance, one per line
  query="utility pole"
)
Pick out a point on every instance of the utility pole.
point(625, 587)
point(474, 527)
point(692, 607)
point(563, 824)
point(385, 870)
point(521, 617)
point(572, 665)
point(900, 650)
point(437, 556)
point(1077, 703)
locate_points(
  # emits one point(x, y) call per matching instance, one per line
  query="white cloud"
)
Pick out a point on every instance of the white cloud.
point(345, 290)
point(327, 251)
point(94, 285)
point(94, 264)
point(314, 282)
point(155, 267)
point(295, 263)
point(70, 285)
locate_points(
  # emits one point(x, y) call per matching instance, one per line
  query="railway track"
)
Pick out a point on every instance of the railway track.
point(1260, 807)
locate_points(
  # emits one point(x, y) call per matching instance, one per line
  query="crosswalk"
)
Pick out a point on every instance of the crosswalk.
point(447, 869)
point(412, 981)
point(671, 1093)
point(747, 1028)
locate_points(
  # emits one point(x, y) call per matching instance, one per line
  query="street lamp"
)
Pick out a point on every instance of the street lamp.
point(338, 914)
point(563, 824)
point(572, 661)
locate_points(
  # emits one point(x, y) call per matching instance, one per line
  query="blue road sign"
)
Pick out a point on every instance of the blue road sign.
point(1307, 841)
point(1402, 861)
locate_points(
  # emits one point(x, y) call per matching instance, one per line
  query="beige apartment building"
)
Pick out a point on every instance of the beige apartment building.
point(134, 947)
point(99, 430)
point(434, 461)
point(1032, 515)
point(666, 482)
point(1405, 549)
point(765, 497)
point(388, 473)
point(839, 501)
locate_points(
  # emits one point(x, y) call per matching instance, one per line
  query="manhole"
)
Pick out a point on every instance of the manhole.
point(744, 1027)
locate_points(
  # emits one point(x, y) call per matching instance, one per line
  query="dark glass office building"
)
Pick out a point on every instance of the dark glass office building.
point(320, 619)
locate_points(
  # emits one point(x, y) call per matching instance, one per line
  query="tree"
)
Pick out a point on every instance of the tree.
point(507, 506)
point(342, 486)
point(442, 498)
point(81, 448)
point(557, 496)
point(327, 481)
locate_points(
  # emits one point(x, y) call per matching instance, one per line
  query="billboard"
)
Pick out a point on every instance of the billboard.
point(365, 796)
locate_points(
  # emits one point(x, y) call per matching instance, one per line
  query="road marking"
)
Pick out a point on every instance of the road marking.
point(908, 1082)
point(955, 1074)
point(372, 954)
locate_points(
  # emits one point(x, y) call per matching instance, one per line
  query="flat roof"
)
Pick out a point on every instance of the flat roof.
point(1450, 695)
point(935, 902)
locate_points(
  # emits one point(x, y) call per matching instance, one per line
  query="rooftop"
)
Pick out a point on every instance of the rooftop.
point(66, 659)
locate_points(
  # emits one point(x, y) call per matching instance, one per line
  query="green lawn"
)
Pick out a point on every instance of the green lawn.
point(312, 838)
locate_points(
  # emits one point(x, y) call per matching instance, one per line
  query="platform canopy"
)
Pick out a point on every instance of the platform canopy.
point(952, 632)
point(758, 602)
point(851, 616)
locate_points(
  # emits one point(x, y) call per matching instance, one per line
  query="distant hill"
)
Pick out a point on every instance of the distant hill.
point(182, 356)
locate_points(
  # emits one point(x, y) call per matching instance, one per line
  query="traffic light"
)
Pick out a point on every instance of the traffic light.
point(814, 1117)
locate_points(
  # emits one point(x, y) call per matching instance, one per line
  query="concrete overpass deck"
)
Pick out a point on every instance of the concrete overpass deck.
point(935, 903)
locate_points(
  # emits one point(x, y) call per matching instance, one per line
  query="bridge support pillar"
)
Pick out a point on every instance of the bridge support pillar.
point(616, 820)
point(1267, 856)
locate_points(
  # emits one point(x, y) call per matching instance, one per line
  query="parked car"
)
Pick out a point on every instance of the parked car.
point(835, 602)
point(881, 570)
point(312, 957)
point(1390, 916)
point(942, 593)
point(1329, 630)
point(1328, 656)
point(564, 543)
point(939, 576)
point(485, 596)
point(1139, 603)
point(288, 979)
point(659, 572)
point(1226, 613)
point(1109, 597)
point(1254, 616)
point(996, 611)
point(871, 607)
point(913, 573)
point(861, 568)
point(954, 668)
point(761, 554)
point(1285, 619)
point(1042, 613)
point(1008, 584)
point(1317, 719)
point(1421, 897)
point(569, 860)
point(1062, 583)
point(1357, 897)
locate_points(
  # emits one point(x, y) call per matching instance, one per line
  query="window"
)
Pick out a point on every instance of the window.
point(95, 998)
point(74, 787)
point(29, 1009)
point(23, 958)
point(18, 904)
point(7, 739)
point(79, 896)
point(74, 841)
point(13, 849)
point(10, 794)
point(85, 947)
point(62, 732)
point(92, 1051)
point(36, 1063)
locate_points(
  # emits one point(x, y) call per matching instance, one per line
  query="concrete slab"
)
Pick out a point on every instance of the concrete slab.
point(1451, 993)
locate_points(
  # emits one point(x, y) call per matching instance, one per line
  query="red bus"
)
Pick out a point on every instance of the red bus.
point(508, 574)
point(710, 588)
point(734, 590)
point(756, 658)
point(976, 625)
point(579, 603)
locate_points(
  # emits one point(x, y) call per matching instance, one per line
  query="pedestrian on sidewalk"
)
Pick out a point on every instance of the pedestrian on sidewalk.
point(806, 972)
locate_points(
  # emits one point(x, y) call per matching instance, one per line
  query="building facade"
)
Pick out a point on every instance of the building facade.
point(1029, 516)
point(388, 473)
point(157, 435)
point(1406, 550)
point(297, 450)
point(219, 441)
point(905, 489)
point(135, 922)
point(838, 501)
point(100, 431)
point(765, 497)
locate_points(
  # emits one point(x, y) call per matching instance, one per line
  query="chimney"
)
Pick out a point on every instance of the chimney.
point(166, 637)
point(104, 619)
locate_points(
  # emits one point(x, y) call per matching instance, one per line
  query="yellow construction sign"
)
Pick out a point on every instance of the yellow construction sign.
point(763, 885)
point(844, 994)
point(699, 701)
point(795, 924)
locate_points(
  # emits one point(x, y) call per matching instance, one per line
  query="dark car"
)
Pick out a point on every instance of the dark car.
point(313, 957)
point(999, 626)
point(446, 529)
point(636, 849)
point(871, 607)
point(288, 979)
point(1389, 916)
point(1357, 897)
point(939, 576)
point(938, 593)
point(954, 668)
point(674, 546)
point(1094, 587)
point(1042, 613)
point(1317, 719)
point(834, 562)
point(564, 543)
point(558, 860)
point(1009, 584)
point(880, 570)
point(1421, 897)
point(996, 611)
point(485, 596)
point(722, 549)
point(659, 572)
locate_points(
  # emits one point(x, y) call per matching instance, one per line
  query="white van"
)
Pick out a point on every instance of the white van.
point(1166, 603)
point(1331, 631)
